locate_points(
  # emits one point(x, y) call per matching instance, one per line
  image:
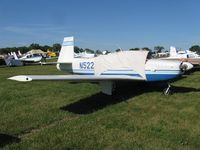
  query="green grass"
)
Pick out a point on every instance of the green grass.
point(52, 59)
point(62, 115)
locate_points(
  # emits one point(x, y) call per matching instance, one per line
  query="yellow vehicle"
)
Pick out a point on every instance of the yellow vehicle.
point(51, 54)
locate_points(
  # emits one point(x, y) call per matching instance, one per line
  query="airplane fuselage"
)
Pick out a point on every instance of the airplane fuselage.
point(155, 70)
point(31, 58)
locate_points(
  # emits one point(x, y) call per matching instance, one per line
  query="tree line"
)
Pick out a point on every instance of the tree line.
point(159, 49)
point(56, 48)
point(23, 49)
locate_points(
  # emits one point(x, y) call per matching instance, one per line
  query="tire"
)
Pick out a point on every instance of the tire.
point(167, 91)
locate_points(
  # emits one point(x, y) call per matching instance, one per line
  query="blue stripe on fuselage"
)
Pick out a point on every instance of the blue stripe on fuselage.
point(161, 75)
point(135, 75)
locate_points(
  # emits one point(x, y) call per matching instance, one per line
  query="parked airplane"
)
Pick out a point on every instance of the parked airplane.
point(107, 69)
point(184, 55)
point(28, 57)
point(12, 59)
point(84, 55)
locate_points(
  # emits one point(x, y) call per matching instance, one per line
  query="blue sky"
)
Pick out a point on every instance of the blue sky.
point(101, 24)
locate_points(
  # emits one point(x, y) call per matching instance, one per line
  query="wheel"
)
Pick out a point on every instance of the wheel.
point(167, 91)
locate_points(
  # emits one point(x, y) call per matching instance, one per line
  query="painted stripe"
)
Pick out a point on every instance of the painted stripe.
point(68, 43)
point(130, 72)
point(161, 77)
point(163, 70)
point(135, 75)
point(121, 70)
point(83, 69)
point(149, 77)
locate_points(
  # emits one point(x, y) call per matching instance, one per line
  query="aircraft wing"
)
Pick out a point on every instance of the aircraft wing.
point(25, 78)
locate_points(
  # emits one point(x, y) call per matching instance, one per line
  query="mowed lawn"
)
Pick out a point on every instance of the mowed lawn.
point(63, 115)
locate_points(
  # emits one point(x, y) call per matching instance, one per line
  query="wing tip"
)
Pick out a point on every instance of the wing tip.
point(20, 78)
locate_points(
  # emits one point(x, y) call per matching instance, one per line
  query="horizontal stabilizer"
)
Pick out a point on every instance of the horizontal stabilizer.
point(25, 78)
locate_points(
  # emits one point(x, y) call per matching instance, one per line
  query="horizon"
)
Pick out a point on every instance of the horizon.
point(139, 48)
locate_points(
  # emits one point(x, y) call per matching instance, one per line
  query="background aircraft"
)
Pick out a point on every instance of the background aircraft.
point(107, 69)
point(174, 53)
point(12, 59)
point(28, 57)
point(84, 55)
point(184, 56)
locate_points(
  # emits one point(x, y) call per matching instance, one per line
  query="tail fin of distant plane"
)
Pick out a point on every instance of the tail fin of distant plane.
point(173, 51)
point(67, 50)
point(15, 56)
point(19, 53)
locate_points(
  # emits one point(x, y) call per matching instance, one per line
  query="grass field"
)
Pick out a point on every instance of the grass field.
point(62, 115)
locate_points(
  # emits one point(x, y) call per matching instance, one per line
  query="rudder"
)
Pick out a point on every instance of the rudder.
point(67, 50)
point(173, 51)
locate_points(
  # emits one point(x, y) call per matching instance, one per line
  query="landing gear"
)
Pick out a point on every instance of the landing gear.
point(167, 91)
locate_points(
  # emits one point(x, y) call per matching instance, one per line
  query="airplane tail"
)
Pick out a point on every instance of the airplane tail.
point(15, 56)
point(67, 50)
point(173, 51)
point(19, 53)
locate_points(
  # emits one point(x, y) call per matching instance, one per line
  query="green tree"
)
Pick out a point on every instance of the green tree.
point(195, 48)
point(23, 49)
point(89, 51)
point(118, 50)
point(4, 51)
point(98, 52)
point(158, 49)
point(134, 49)
point(146, 48)
point(76, 49)
point(56, 47)
point(8, 50)
point(34, 46)
point(46, 48)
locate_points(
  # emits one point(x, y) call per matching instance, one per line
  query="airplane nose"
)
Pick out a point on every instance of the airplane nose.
point(185, 66)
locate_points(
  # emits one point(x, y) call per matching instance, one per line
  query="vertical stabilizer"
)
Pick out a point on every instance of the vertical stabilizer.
point(19, 53)
point(173, 51)
point(67, 51)
point(15, 56)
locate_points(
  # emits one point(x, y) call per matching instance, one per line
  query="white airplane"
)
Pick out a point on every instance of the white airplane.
point(28, 57)
point(107, 69)
point(182, 53)
point(84, 55)
point(19, 53)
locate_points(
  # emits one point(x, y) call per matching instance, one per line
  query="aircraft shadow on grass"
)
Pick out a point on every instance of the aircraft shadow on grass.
point(123, 92)
point(6, 139)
